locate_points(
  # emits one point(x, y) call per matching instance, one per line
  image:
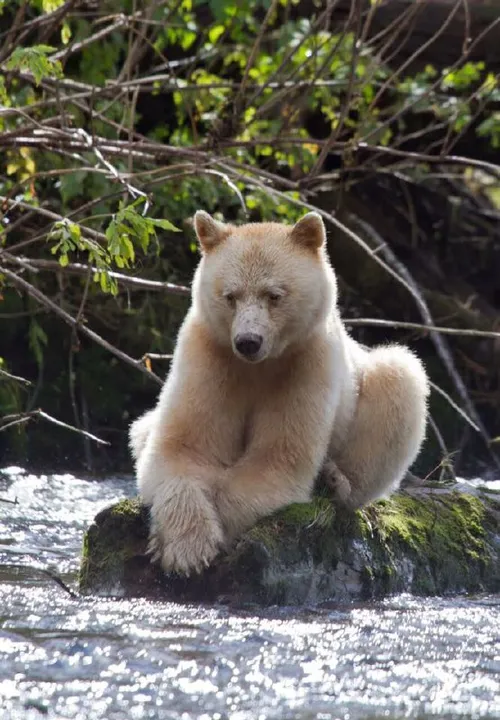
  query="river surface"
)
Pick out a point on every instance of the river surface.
point(102, 659)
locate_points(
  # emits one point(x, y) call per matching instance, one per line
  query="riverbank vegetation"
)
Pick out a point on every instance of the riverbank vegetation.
point(119, 119)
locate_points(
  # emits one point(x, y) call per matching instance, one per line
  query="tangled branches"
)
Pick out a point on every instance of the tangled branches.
point(383, 117)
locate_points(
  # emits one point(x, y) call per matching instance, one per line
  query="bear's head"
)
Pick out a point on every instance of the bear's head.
point(262, 287)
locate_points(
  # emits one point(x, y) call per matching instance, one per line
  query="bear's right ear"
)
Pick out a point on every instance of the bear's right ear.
point(309, 231)
point(210, 232)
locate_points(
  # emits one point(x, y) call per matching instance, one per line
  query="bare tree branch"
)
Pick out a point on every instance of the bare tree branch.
point(21, 418)
point(378, 322)
point(47, 302)
point(17, 378)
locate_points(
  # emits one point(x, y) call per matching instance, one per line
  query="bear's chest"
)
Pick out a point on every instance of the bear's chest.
point(234, 426)
point(245, 404)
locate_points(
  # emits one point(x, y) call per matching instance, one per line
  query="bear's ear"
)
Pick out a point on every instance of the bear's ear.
point(210, 232)
point(309, 231)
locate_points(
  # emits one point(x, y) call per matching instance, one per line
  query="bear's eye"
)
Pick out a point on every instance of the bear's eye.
point(274, 297)
point(230, 298)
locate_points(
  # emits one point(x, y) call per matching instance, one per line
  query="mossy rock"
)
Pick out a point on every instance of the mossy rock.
point(427, 542)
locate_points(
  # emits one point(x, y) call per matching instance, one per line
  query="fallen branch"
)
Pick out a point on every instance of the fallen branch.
point(59, 581)
point(10, 502)
point(50, 574)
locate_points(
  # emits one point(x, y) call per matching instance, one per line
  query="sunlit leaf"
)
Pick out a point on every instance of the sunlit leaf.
point(65, 33)
point(164, 224)
point(35, 60)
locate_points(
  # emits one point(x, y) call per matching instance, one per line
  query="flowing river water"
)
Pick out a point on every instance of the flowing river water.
point(103, 659)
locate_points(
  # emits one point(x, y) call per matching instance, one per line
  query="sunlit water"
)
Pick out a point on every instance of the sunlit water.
point(114, 660)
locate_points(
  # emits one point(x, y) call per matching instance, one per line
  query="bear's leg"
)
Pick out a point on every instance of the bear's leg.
point(186, 532)
point(387, 429)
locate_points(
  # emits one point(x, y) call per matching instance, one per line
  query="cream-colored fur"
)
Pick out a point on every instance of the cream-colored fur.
point(266, 388)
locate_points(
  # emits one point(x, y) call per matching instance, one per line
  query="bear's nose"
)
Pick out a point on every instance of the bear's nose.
point(248, 344)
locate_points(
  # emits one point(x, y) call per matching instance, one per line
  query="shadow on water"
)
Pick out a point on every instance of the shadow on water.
point(102, 659)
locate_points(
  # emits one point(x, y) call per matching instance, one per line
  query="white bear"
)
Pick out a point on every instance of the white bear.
point(265, 389)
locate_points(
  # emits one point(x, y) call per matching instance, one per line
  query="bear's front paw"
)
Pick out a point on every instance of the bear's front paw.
point(186, 533)
point(190, 553)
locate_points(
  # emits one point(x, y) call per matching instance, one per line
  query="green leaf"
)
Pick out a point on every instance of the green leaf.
point(74, 232)
point(65, 33)
point(187, 39)
point(164, 224)
point(51, 5)
point(104, 280)
point(34, 59)
point(215, 32)
point(127, 248)
point(4, 97)
point(37, 340)
point(111, 230)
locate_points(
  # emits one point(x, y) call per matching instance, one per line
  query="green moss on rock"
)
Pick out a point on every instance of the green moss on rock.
point(425, 543)
point(115, 540)
point(451, 523)
point(442, 537)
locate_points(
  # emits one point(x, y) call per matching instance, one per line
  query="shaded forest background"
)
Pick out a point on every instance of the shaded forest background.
point(119, 119)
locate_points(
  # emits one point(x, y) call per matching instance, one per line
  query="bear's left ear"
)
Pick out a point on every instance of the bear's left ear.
point(309, 231)
point(210, 232)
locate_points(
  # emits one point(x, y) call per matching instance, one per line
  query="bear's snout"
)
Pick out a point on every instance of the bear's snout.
point(248, 344)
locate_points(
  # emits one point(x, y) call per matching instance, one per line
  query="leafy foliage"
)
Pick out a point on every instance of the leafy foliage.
point(35, 60)
point(126, 227)
point(118, 123)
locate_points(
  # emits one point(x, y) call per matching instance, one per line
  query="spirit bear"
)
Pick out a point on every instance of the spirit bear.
point(266, 389)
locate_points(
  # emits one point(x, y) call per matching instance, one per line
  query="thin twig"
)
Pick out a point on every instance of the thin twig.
point(74, 343)
point(21, 418)
point(439, 438)
point(10, 39)
point(59, 581)
point(10, 502)
point(253, 52)
point(17, 378)
point(44, 300)
point(155, 356)
point(99, 35)
point(407, 282)
point(377, 322)
point(133, 283)
point(50, 574)
point(457, 408)
point(441, 346)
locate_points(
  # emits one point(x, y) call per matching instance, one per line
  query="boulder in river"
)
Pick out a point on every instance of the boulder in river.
point(427, 541)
